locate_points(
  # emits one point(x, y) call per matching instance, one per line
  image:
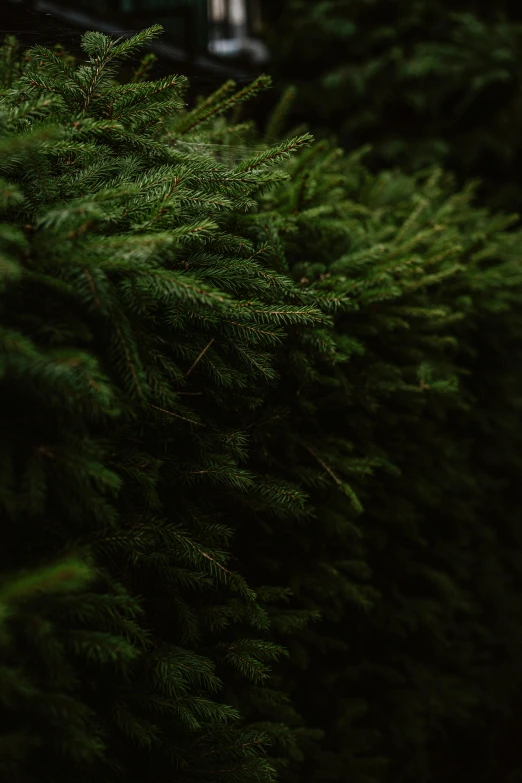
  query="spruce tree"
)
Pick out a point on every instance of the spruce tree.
point(405, 435)
point(137, 326)
point(261, 447)
point(422, 675)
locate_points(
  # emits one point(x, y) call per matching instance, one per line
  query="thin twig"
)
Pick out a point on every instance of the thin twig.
point(203, 352)
point(177, 416)
point(322, 463)
point(93, 288)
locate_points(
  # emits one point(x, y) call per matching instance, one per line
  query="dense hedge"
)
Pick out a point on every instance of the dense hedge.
point(260, 448)
point(420, 415)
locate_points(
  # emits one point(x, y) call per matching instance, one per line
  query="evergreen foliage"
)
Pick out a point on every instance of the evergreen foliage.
point(405, 436)
point(423, 81)
point(260, 447)
point(430, 539)
point(124, 370)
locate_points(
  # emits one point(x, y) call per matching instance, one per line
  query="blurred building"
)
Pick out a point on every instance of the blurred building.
point(221, 36)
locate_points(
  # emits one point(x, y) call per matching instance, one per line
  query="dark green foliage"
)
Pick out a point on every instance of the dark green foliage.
point(260, 448)
point(136, 326)
point(415, 671)
point(423, 81)
point(405, 435)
